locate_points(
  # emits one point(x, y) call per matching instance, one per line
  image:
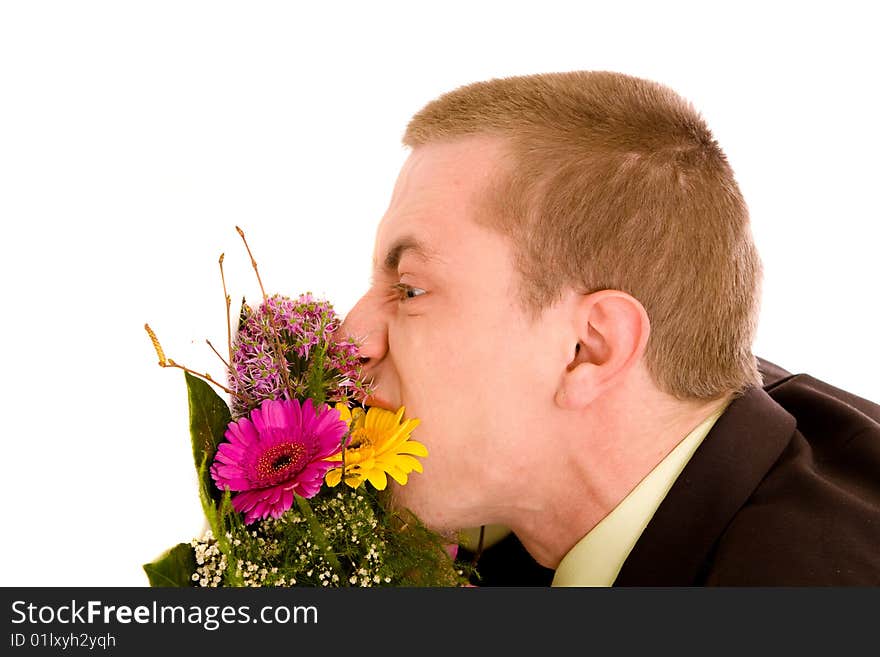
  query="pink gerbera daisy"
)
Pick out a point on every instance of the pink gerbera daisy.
point(278, 452)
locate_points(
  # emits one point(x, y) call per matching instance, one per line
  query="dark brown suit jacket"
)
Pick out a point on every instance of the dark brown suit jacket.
point(783, 491)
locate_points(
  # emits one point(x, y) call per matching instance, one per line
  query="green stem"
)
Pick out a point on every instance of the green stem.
point(223, 520)
point(319, 536)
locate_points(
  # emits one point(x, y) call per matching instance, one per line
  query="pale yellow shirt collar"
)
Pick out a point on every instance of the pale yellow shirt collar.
point(597, 558)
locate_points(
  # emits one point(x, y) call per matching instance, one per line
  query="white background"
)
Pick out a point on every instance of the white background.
point(134, 137)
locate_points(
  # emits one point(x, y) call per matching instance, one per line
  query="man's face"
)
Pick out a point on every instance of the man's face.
point(451, 343)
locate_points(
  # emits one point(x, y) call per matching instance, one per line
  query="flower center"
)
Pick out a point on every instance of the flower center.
point(359, 438)
point(281, 459)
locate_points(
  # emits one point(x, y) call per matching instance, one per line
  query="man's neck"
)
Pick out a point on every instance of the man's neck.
point(601, 470)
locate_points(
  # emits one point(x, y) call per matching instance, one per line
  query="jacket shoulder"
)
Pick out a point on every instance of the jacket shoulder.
point(771, 373)
point(823, 410)
point(815, 517)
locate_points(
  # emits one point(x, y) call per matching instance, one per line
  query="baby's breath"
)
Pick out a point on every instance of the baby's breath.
point(366, 540)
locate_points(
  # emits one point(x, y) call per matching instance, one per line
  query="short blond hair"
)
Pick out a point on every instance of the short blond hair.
point(616, 182)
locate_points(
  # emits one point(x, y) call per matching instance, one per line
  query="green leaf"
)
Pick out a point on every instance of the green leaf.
point(174, 568)
point(229, 522)
point(209, 417)
point(207, 494)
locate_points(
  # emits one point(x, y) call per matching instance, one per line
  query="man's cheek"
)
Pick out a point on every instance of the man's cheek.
point(435, 343)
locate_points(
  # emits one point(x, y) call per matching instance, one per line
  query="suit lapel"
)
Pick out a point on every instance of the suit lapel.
point(734, 457)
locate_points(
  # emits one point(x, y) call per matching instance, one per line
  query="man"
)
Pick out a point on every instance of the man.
point(566, 292)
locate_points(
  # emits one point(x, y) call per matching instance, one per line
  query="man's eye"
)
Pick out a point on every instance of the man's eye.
point(404, 291)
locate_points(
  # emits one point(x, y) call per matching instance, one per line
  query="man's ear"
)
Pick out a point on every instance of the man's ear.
point(610, 333)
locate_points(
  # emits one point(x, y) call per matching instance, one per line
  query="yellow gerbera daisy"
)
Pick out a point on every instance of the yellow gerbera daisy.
point(379, 443)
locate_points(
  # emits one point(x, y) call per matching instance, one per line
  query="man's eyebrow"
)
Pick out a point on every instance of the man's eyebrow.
point(401, 246)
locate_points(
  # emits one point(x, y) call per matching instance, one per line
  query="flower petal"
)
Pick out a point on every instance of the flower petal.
point(413, 447)
point(396, 473)
point(333, 477)
point(276, 415)
point(344, 413)
point(407, 463)
point(378, 479)
point(380, 420)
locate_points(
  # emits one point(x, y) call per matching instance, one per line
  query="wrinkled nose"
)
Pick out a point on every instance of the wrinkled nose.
point(365, 325)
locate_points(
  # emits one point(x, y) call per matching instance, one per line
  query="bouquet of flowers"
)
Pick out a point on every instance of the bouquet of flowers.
point(293, 470)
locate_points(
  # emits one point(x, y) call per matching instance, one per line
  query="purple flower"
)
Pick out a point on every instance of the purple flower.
point(302, 332)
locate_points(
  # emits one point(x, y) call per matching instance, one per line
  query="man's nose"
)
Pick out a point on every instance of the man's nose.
point(365, 325)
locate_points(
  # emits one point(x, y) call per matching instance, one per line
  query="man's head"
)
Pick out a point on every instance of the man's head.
point(557, 248)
